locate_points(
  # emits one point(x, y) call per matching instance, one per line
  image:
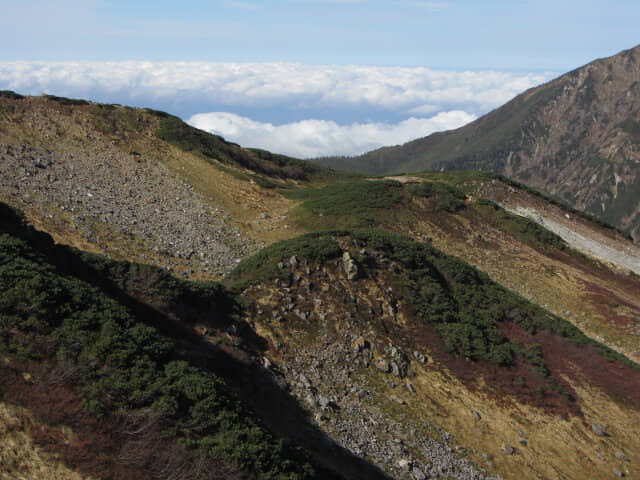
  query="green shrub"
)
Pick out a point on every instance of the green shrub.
point(67, 101)
point(59, 304)
point(354, 204)
point(447, 198)
point(10, 95)
point(463, 304)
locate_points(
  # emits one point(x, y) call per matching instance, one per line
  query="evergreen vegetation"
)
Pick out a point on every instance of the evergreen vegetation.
point(353, 204)
point(447, 198)
point(463, 304)
point(50, 312)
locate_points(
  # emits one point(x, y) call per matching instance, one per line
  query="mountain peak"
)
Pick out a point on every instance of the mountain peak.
point(576, 137)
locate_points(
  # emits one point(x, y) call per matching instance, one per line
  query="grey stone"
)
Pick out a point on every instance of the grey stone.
point(598, 430)
point(404, 464)
point(349, 266)
point(508, 449)
point(418, 474)
point(382, 365)
point(305, 381)
point(396, 399)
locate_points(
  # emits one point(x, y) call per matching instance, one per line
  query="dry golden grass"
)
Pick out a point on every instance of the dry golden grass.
point(555, 448)
point(20, 459)
point(560, 287)
point(245, 201)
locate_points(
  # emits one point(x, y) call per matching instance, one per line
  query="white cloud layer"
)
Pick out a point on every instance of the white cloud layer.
point(396, 89)
point(314, 138)
point(354, 108)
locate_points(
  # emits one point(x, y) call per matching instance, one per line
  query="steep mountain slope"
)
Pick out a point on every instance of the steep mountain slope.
point(140, 184)
point(576, 137)
point(128, 372)
point(393, 344)
point(457, 214)
point(110, 179)
point(369, 351)
point(403, 355)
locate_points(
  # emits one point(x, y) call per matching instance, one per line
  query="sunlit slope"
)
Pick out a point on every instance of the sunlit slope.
point(142, 185)
point(575, 137)
point(410, 357)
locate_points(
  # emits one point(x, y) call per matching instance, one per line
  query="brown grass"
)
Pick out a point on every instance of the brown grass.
point(115, 447)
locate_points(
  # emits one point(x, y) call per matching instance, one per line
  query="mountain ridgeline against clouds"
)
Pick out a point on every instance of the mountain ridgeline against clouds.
point(576, 138)
point(304, 323)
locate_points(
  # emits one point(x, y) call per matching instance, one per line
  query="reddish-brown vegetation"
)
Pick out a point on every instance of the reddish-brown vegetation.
point(113, 447)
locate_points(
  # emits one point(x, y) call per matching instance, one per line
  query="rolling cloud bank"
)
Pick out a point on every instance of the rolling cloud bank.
point(300, 110)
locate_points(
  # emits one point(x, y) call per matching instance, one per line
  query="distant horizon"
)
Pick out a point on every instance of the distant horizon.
point(307, 78)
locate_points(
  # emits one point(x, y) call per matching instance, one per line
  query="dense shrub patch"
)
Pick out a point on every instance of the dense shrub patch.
point(353, 204)
point(463, 304)
point(447, 198)
point(123, 362)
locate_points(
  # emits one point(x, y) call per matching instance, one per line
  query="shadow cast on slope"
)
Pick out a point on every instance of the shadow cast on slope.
point(136, 287)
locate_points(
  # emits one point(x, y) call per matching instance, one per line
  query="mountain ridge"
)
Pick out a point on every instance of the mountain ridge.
point(409, 326)
point(575, 137)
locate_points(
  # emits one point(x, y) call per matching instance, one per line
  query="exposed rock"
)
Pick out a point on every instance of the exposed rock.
point(618, 472)
point(323, 402)
point(476, 414)
point(508, 449)
point(418, 474)
point(349, 265)
point(622, 456)
point(404, 464)
point(143, 204)
point(360, 344)
point(361, 393)
point(382, 365)
point(598, 430)
point(305, 381)
point(420, 357)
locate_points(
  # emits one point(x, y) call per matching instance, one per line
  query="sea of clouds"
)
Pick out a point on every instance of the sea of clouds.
point(296, 109)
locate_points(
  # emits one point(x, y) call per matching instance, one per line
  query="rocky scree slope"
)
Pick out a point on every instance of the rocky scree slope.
point(112, 179)
point(576, 137)
point(391, 344)
point(119, 370)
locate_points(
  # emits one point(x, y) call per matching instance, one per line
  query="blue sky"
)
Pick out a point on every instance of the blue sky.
point(323, 45)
